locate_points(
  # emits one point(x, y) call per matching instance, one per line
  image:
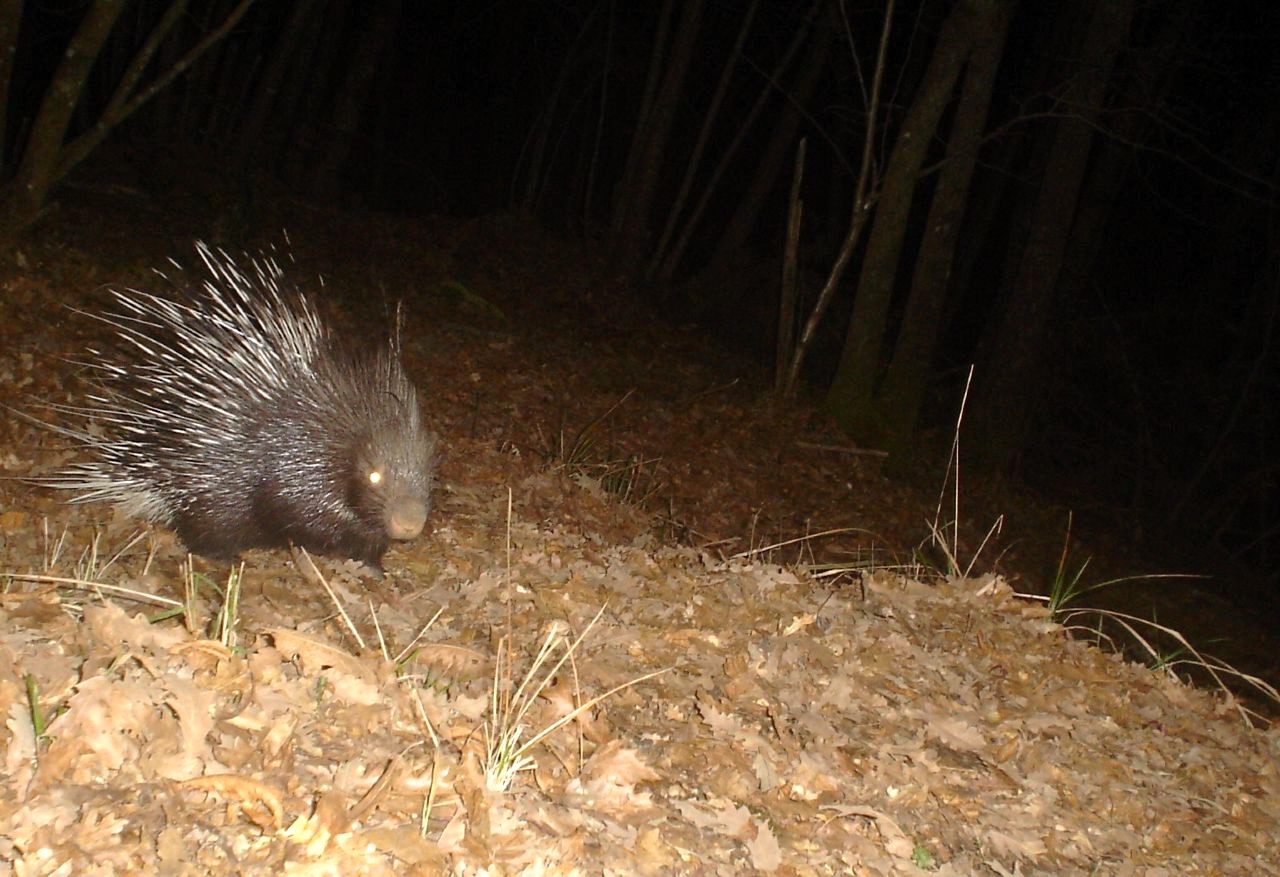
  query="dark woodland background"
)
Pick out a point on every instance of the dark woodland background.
point(1077, 199)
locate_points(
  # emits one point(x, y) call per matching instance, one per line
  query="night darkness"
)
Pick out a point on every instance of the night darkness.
point(521, 437)
point(1107, 260)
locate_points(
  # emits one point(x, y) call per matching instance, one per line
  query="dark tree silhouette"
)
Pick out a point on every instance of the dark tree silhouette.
point(851, 397)
point(634, 199)
point(900, 397)
point(47, 155)
point(1013, 367)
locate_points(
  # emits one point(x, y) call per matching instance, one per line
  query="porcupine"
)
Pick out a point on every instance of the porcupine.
point(234, 415)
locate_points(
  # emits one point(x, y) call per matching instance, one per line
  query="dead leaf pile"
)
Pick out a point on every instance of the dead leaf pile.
point(877, 727)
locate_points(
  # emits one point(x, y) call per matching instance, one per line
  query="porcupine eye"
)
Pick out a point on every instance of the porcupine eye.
point(366, 483)
point(369, 484)
point(371, 468)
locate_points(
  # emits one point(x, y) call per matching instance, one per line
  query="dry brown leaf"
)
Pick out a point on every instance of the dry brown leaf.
point(101, 729)
point(722, 723)
point(390, 774)
point(1026, 845)
point(896, 841)
point(608, 779)
point(766, 855)
point(204, 654)
point(194, 708)
point(331, 813)
point(717, 815)
point(353, 690)
point(110, 624)
point(564, 699)
point(620, 764)
point(20, 753)
point(317, 655)
point(252, 795)
point(454, 660)
point(957, 733)
point(406, 844)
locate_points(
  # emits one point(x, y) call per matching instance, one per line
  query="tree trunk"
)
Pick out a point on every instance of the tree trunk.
point(128, 98)
point(777, 152)
point(297, 130)
point(10, 20)
point(1241, 243)
point(860, 203)
point(265, 103)
point(704, 137)
point(195, 110)
point(29, 191)
point(784, 347)
point(901, 396)
point(671, 260)
point(354, 92)
point(593, 152)
point(631, 224)
point(538, 165)
point(1002, 404)
point(851, 396)
point(626, 183)
point(1142, 95)
point(48, 157)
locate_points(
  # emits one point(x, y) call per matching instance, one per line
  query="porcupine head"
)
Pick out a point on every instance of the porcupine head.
point(234, 414)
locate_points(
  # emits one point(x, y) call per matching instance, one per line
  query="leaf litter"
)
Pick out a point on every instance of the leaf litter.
point(799, 728)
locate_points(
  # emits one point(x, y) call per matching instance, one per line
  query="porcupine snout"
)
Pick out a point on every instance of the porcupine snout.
point(406, 516)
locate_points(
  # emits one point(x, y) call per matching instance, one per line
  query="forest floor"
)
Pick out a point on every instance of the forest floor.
point(832, 705)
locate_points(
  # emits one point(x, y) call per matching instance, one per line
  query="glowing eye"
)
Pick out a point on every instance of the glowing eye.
point(375, 477)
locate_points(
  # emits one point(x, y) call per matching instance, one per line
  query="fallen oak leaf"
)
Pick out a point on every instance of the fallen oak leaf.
point(407, 845)
point(317, 654)
point(564, 700)
point(766, 854)
point(447, 658)
point(608, 779)
point(204, 654)
point(896, 842)
point(245, 791)
point(328, 819)
point(394, 768)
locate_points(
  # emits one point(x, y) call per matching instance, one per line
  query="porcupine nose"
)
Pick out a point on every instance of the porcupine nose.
point(405, 518)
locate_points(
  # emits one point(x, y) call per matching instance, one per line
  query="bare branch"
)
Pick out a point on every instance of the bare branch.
point(862, 202)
